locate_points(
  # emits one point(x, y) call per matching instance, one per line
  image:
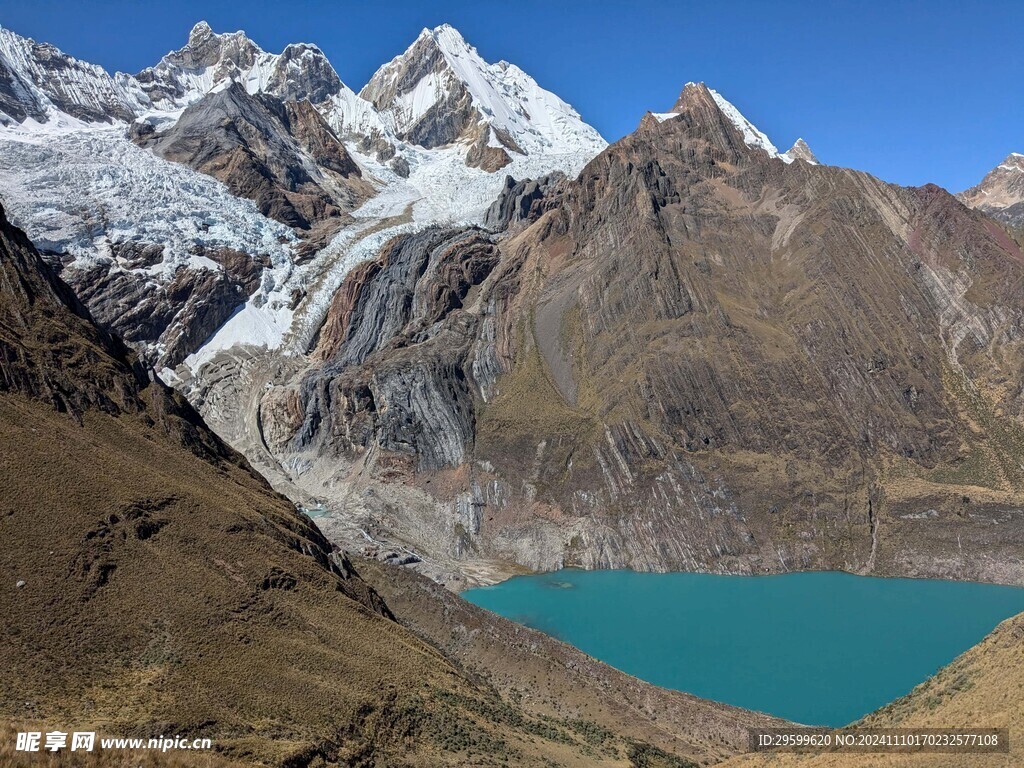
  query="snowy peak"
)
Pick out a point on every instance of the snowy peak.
point(38, 81)
point(1001, 192)
point(752, 137)
point(800, 151)
point(441, 91)
point(200, 32)
point(711, 108)
point(210, 60)
point(438, 93)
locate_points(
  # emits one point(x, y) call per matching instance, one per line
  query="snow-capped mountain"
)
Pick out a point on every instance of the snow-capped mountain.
point(208, 60)
point(441, 91)
point(1001, 193)
point(134, 181)
point(751, 134)
point(39, 82)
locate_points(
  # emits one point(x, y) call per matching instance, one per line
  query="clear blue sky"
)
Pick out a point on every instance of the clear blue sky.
point(910, 91)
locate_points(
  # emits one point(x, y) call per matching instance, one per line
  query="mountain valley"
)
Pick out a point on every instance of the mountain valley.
point(284, 366)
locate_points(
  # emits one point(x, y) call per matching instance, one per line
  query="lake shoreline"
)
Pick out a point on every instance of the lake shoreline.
point(815, 631)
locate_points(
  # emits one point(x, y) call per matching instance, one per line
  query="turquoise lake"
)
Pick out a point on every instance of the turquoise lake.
point(816, 648)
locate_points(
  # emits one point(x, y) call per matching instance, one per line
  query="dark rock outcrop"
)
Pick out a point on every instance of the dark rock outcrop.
point(523, 201)
point(283, 156)
point(394, 354)
point(170, 319)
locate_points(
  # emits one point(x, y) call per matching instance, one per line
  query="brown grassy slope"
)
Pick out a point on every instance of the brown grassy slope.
point(548, 678)
point(153, 585)
point(982, 688)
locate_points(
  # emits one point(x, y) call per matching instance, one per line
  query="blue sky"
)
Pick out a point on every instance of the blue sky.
point(910, 91)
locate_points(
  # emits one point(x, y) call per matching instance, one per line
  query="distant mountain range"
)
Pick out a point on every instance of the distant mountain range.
point(1001, 193)
point(155, 251)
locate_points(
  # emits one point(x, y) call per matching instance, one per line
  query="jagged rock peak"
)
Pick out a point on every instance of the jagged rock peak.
point(800, 151)
point(39, 81)
point(440, 91)
point(200, 31)
point(209, 59)
point(1001, 192)
point(697, 98)
point(706, 104)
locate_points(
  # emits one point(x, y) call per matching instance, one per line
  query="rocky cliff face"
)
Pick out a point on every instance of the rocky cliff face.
point(524, 201)
point(394, 350)
point(283, 156)
point(701, 357)
point(1001, 193)
point(171, 317)
point(38, 81)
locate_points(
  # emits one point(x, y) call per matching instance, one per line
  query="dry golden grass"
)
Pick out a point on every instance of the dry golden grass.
point(167, 596)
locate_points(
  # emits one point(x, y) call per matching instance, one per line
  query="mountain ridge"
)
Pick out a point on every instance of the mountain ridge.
point(1001, 192)
point(594, 392)
point(308, 167)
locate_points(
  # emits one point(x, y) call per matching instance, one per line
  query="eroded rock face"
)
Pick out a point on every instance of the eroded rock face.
point(523, 201)
point(38, 77)
point(283, 156)
point(171, 318)
point(700, 357)
point(394, 349)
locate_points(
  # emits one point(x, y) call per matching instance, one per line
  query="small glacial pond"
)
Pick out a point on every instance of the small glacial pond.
point(816, 648)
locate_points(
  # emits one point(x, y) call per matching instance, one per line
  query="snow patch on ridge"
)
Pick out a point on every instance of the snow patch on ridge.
point(752, 137)
point(505, 97)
